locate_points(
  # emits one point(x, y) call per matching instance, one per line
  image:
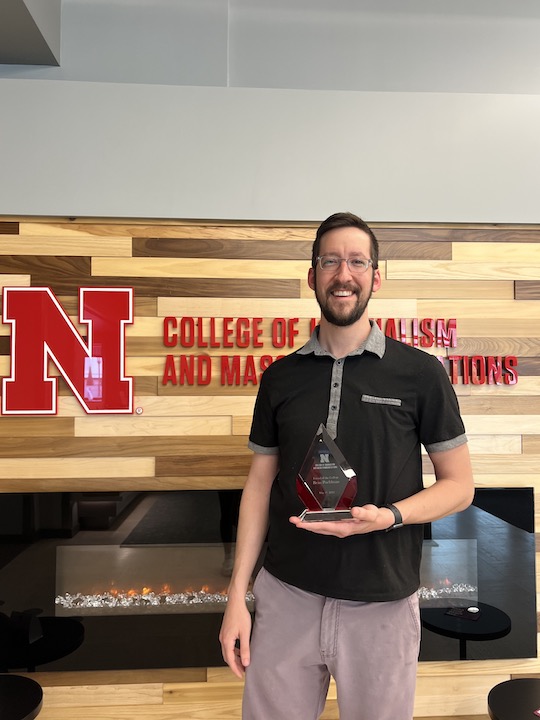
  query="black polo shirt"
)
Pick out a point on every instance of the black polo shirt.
point(380, 404)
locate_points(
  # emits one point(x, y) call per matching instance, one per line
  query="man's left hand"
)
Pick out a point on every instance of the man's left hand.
point(365, 519)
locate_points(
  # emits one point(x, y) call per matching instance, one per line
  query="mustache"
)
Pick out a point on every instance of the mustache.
point(343, 286)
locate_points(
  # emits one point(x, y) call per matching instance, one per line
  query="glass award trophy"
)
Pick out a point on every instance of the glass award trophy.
point(326, 483)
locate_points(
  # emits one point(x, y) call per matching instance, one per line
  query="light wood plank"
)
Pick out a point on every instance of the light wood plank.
point(128, 484)
point(499, 405)
point(70, 468)
point(458, 695)
point(442, 289)
point(76, 678)
point(479, 252)
point(62, 245)
point(270, 308)
point(198, 268)
point(149, 712)
point(499, 444)
point(197, 405)
point(236, 308)
point(449, 270)
point(8, 280)
point(497, 327)
point(104, 695)
point(505, 465)
point(494, 480)
point(526, 386)
point(160, 406)
point(241, 425)
point(501, 424)
point(531, 444)
point(528, 309)
point(139, 426)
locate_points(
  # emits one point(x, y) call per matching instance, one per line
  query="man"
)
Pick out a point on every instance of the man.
point(340, 598)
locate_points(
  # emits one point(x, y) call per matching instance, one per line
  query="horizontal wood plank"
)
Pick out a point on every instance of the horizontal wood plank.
point(139, 426)
point(480, 252)
point(220, 248)
point(9, 227)
point(266, 308)
point(527, 290)
point(520, 347)
point(90, 447)
point(485, 309)
point(28, 468)
point(51, 245)
point(446, 270)
point(441, 289)
point(461, 233)
point(198, 268)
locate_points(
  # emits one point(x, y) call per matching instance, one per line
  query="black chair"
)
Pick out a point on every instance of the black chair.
point(517, 699)
point(21, 698)
point(27, 640)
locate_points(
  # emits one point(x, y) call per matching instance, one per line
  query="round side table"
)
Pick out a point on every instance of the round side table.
point(21, 697)
point(515, 699)
point(491, 624)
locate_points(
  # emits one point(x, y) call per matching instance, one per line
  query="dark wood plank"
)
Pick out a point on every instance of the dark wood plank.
point(213, 248)
point(175, 287)
point(528, 366)
point(519, 346)
point(9, 228)
point(415, 250)
point(197, 464)
point(265, 250)
point(33, 427)
point(214, 450)
point(490, 233)
point(45, 268)
point(527, 290)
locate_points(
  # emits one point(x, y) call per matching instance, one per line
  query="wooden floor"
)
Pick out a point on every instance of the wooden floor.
point(187, 694)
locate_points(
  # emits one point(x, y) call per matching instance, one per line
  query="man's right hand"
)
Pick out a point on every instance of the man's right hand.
point(234, 636)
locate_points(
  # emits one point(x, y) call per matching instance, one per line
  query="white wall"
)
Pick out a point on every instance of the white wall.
point(426, 115)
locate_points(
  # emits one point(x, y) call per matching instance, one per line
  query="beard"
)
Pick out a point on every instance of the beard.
point(342, 317)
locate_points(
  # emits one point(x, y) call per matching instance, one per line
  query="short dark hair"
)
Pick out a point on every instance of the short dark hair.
point(345, 219)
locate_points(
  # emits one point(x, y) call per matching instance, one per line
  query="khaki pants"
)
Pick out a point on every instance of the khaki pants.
point(301, 639)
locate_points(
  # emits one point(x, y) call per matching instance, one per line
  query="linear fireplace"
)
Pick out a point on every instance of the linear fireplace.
point(144, 576)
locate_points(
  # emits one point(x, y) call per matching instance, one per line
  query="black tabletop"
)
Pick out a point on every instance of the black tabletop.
point(515, 699)
point(489, 624)
point(20, 698)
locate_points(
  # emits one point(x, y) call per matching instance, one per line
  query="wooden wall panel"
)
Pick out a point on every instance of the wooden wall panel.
point(189, 436)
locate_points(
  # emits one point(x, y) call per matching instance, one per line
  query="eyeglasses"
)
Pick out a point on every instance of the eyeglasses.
point(331, 264)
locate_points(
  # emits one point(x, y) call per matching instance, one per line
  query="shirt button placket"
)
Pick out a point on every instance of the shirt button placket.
point(335, 398)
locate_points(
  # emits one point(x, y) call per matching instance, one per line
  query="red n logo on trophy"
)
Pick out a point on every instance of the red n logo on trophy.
point(42, 333)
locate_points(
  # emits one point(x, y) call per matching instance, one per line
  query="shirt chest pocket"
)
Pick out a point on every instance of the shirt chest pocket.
point(378, 400)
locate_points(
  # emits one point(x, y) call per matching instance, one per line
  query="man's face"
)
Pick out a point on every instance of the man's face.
point(343, 295)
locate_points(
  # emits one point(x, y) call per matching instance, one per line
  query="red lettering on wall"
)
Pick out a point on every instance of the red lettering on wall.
point(42, 333)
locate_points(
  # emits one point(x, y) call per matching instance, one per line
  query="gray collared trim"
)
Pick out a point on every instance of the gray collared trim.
point(263, 450)
point(375, 343)
point(447, 444)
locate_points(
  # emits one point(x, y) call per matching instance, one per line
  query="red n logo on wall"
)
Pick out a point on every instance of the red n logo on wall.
point(41, 332)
